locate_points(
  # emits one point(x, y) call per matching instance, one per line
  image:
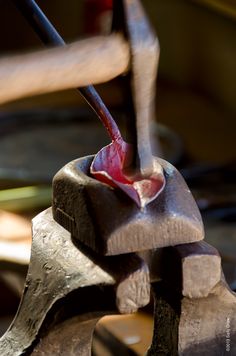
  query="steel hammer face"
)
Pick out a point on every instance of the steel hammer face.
point(107, 221)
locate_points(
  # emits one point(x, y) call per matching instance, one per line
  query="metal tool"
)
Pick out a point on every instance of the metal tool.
point(130, 18)
point(50, 36)
point(144, 49)
point(62, 275)
point(71, 284)
point(195, 310)
point(171, 219)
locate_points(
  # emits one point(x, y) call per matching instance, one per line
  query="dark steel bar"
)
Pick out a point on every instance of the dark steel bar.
point(49, 36)
point(40, 23)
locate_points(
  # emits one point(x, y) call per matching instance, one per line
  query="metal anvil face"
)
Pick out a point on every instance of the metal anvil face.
point(107, 221)
point(58, 269)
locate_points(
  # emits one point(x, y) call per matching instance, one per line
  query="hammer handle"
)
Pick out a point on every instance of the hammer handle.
point(48, 34)
point(94, 60)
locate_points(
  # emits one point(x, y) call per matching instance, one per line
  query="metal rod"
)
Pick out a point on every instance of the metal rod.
point(49, 36)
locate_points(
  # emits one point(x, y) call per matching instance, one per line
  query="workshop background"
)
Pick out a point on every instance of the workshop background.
point(195, 130)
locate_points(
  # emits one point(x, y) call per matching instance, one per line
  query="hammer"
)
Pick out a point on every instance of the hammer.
point(134, 48)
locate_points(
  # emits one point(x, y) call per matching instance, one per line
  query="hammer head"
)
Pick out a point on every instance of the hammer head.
point(106, 220)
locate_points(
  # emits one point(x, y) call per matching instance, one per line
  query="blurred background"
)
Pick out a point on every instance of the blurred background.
point(195, 127)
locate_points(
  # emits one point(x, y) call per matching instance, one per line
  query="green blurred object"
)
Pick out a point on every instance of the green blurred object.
point(25, 198)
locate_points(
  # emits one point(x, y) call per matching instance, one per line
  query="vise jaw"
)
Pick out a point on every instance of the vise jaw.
point(107, 221)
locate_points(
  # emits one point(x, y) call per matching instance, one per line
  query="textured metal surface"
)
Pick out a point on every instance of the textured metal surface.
point(69, 286)
point(57, 269)
point(194, 268)
point(193, 316)
point(106, 220)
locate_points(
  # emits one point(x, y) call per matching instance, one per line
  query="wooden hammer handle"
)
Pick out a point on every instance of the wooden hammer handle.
point(91, 61)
